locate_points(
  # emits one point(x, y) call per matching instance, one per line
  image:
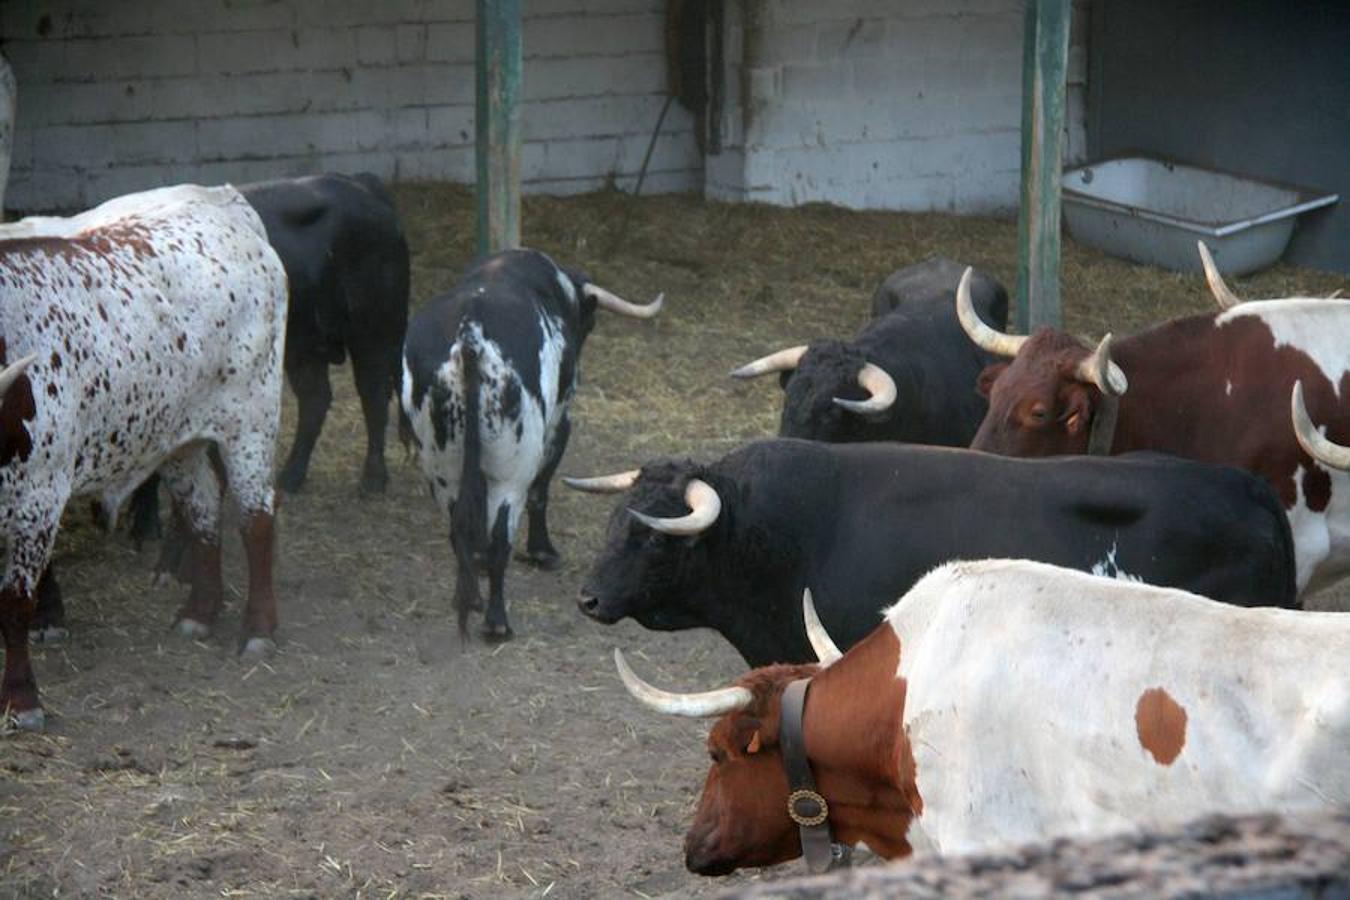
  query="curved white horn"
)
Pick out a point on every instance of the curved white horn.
point(604, 484)
point(704, 506)
point(1098, 369)
point(1315, 444)
point(11, 372)
point(1222, 295)
point(985, 338)
point(695, 705)
point(779, 361)
point(615, 303)
point(821, 642)
point(877, 382)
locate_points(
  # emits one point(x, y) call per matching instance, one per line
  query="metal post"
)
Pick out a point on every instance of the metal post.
point(1045, 56)
point(497, 125)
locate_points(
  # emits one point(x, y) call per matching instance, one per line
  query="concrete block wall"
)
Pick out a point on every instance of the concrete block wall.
point(121, 96)
point(914, 104)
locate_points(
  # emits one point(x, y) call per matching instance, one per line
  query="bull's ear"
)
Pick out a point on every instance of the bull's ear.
point(985, 383)
point(1077, 410)
point(753, 746)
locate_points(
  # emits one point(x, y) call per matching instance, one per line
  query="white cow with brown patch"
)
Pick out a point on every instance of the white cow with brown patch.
point(1003, 702)
point(136, 335)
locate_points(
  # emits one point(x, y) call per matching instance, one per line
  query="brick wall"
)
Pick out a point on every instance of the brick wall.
point(913, 104)
point(120, 96)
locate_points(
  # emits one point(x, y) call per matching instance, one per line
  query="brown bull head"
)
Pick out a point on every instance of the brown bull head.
point(1040, 403)
point(742, 818)
point(855, 741)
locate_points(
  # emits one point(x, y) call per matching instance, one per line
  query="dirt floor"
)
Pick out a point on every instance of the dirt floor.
point(378, 756)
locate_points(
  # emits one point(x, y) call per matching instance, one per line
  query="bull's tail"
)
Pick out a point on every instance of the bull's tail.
point(469, 519)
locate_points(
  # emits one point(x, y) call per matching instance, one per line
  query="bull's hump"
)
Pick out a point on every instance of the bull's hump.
point(1316, 327)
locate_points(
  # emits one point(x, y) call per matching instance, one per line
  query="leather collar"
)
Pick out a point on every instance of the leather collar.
point(805, 804)
point(1103, 432)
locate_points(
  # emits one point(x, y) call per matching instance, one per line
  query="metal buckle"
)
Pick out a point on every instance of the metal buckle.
point(807, 821)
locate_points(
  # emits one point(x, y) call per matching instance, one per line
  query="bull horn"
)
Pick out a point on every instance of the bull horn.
point(986, 338)
point(616, 304)
point(704, 506)
point(694, 705)
point(779, 361)
point(821, 642)
point(11, 372)
point(604, 484)
point(1222, 295)
point(1098, 369)
point(879, 384)
point(1321, 448)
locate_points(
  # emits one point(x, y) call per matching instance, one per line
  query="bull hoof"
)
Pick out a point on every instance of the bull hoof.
point(256, 649)
point(192, 629)
point(497, 634)
point(30, 719)
point(544, 560)
point(48, 634)
point(161, 579)
point(374, 482)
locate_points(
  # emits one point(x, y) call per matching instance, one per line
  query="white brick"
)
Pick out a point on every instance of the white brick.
point(593, 36)
point(250, 90)
point(558, 78)
point(450, 42)
point(375, 45)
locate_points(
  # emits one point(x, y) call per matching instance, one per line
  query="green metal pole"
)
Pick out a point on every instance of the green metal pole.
point(1045, 57)
point(497, 125)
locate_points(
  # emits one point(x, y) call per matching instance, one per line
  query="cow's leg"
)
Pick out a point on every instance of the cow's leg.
point(49, 617)
point(195, 490)
point(175, 562)
point(248, 466)
point(496, 628)
point(374, 384)
point(29, 553)
point(539, 550)
point(308, 377)
point(145, 524)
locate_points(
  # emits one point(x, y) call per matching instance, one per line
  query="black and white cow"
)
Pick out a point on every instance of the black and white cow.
point(731, 545)
point(138, 334)
point(908, 375)
point(489, 373)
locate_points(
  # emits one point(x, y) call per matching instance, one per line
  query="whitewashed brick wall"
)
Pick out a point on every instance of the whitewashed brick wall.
point(120, 95)
point(893, 104)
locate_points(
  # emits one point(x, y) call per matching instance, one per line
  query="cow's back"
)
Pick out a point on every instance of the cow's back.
point(902, 510)
point(157, 319)
point(1042, 701)
point(346, 259)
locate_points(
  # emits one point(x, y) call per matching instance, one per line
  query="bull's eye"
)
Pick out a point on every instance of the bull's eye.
point(716, 755)
point(1038, 415)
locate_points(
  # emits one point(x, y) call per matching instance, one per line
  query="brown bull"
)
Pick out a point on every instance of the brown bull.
point(1214, 387)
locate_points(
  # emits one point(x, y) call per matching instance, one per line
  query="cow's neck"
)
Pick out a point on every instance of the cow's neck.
point(859, 752)
point(1164, 367)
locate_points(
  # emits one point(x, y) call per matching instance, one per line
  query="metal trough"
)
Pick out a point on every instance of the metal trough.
point(1153, 211)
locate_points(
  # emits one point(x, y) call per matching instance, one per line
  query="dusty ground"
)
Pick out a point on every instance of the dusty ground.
point(376, 755)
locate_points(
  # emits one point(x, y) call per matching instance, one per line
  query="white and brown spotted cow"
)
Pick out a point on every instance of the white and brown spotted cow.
point(1213, 387)
point(138, 334)
point(1004, 702)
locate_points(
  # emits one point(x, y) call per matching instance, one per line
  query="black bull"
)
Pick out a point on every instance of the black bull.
point(917, 340)
point(860, 523)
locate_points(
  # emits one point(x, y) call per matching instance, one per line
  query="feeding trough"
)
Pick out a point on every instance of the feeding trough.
point(1153, 211)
